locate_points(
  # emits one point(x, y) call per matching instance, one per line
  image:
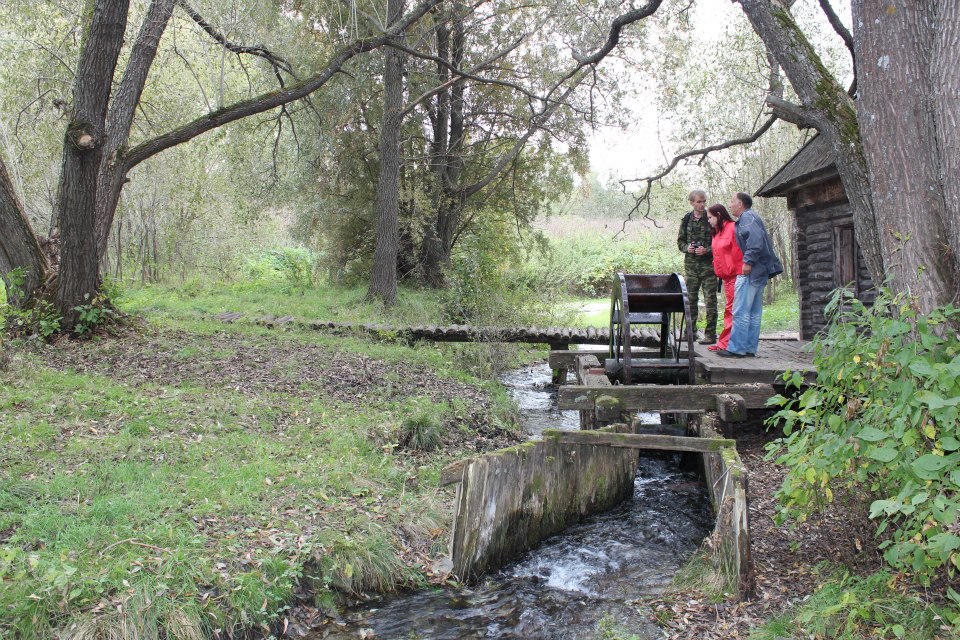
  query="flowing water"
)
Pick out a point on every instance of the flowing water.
point(599, 570)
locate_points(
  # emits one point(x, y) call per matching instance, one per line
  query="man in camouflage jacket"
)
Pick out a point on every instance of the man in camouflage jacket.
point(694, 241)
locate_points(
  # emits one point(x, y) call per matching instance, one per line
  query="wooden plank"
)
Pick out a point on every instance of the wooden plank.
point(640, 441)
point(652, 397)
point(453, 472)
point(562, 358)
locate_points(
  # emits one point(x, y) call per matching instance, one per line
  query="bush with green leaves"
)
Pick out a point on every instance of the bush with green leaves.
point(293, 266)
point(584, 266)
point(487, 284)
point(882, 422)
point(37, 320)
point(93, 313)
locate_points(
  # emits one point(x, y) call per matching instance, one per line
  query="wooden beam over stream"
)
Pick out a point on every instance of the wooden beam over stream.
point(641, 441)
point(653, 397)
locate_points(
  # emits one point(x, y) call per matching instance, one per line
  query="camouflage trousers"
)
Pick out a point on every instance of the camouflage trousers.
point(700, 275)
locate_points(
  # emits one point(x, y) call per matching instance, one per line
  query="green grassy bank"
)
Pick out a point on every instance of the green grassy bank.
point(189, 478)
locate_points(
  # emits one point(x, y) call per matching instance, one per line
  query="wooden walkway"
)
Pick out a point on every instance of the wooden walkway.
point(773, 358)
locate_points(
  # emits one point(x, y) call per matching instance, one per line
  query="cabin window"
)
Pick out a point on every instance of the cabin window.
point(845, 253)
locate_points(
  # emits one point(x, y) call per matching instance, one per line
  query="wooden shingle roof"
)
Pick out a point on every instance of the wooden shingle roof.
point(812, 163)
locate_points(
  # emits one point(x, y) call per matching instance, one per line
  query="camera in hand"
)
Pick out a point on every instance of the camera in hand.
point(696, 244)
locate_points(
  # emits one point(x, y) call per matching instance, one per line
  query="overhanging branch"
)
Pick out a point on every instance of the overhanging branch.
point(278, 63)
point(702, 153)
point(272, 99)
point(613, 36)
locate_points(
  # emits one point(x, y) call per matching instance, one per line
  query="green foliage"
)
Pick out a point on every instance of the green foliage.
point(609, 629)
point(585, 265)
point(92, 315)
point(850, 608)
point(39, 320)
point(783, 314)
point(487, 284)
point(422, 426)
point(882, 421)
point(293, 266)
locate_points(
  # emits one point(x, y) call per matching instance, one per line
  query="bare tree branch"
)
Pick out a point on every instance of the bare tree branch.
point(838, 26)
point(791, 112)
point(702, 153)
point(844, 34)
point(459, 74)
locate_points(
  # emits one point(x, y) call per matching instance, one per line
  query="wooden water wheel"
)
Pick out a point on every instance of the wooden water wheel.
point(656, 299)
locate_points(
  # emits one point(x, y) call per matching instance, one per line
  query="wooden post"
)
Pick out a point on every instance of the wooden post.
point(607, 410)
point(731, 409)
point(559, 372)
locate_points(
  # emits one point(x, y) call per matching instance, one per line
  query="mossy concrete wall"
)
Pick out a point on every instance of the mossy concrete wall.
point(726, 478)
point(510, 500)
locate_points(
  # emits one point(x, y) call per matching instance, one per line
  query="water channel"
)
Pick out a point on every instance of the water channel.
point(599, 571)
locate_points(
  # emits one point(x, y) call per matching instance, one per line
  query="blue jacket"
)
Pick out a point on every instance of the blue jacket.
point(757, 247)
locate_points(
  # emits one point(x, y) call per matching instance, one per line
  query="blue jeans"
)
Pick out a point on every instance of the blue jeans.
point(747, 313)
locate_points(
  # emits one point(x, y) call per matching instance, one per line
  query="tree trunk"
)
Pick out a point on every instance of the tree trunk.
point(898, 154)
point(447, 154)
point(123, 107)
point(828, 107)
point(383, 278)
point(908, 108)
point(82, 155)
point(19, 247)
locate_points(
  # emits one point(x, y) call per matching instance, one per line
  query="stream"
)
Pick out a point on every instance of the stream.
point(594, 574)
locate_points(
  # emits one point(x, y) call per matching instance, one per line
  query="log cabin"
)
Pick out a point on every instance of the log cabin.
point(828, 256)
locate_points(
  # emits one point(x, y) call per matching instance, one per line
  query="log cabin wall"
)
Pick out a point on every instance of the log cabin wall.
point(828, 255)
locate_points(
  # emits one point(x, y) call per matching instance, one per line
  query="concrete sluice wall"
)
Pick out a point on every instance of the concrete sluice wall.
point(511, 500)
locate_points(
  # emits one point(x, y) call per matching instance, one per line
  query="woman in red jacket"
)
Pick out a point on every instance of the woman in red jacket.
point(727, 263)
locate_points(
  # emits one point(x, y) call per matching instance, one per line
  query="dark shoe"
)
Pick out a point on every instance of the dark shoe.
point(723, 353)
point(751, 355)
point(708, 340)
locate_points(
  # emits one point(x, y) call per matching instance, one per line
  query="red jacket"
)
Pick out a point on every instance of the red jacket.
point(727, 257)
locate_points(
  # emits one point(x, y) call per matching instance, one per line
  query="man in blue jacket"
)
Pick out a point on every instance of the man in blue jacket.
point(760, 264)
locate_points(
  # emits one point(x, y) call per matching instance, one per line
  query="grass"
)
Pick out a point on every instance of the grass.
point(260, 299)
point(195, 503)
point(850, 608)
point(782, 315)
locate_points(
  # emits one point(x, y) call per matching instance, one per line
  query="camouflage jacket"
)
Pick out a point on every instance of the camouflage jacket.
point(692, 230)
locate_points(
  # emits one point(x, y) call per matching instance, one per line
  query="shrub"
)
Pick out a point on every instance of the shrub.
point(39, 320)
point(293, 266)
point(422, 428)
point(882, 420)
point(584, 266)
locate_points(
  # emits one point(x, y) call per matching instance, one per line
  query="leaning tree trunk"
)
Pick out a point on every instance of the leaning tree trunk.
point(908, 111)
point(19, 247)
point(123, 107)
point(825, 106)
point(82, 154)
point(383, 278)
